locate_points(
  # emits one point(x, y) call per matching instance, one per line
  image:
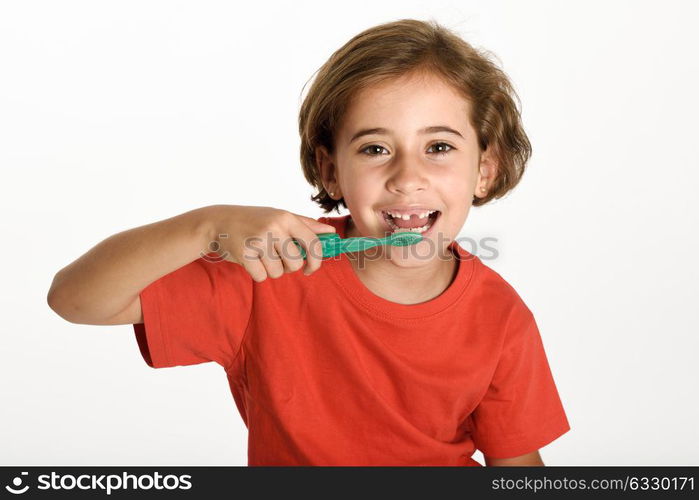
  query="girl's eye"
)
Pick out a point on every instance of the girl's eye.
point(372, 146)
point(439, 153)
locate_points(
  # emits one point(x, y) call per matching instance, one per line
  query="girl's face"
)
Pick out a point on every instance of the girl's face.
point(407, 147)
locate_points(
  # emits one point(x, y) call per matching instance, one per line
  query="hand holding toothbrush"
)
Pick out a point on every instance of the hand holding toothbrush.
point(261, 239)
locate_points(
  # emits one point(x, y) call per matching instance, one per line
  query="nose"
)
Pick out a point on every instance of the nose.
point(407, 178)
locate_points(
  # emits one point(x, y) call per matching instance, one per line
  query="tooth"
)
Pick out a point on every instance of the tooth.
point(398, 215)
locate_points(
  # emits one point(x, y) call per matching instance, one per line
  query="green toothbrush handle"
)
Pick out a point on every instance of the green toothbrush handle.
point(329, 242)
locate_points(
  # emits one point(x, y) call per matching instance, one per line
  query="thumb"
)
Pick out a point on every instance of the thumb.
point(317, 226)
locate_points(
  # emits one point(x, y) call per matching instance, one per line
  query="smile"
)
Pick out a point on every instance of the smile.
point(415, 221)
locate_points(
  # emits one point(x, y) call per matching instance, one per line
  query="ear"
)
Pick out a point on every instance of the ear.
point(487, 170)
point(328, 172)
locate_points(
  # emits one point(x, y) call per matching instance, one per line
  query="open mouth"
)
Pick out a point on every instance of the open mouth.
point(415, 222)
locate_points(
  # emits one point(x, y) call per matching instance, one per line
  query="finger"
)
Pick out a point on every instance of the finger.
point(316, 226)
point(312, 246)
point(290, 254)
point(253, 265)
point(271, 260)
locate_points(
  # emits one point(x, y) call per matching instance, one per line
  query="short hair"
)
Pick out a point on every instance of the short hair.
point(404, 47)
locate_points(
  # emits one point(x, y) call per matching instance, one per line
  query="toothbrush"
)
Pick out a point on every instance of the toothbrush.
point(334, 245)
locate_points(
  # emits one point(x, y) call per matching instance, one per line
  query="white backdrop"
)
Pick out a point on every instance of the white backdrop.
point(118, 114)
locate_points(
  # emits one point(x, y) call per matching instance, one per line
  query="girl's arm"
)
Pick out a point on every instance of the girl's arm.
point(102, 286)
point(532, 458)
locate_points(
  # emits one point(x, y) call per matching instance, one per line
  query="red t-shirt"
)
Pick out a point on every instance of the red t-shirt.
point(325, 372)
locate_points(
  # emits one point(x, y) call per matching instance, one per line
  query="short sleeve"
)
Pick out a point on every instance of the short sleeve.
point(195, 314)
point(521, 410)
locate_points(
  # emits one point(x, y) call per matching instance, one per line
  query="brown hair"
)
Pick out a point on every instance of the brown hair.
point(403, 47)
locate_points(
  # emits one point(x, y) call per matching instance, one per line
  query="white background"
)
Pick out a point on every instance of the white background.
point(118, 114)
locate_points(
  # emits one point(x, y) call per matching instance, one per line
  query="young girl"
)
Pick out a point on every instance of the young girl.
point(412, 355)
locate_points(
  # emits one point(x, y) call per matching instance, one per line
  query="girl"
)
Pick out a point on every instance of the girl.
point(412, 355)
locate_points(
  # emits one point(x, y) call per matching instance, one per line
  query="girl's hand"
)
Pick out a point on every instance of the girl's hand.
point(260, 239)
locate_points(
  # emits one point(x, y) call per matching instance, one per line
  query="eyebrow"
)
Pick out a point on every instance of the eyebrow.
point(426, 130)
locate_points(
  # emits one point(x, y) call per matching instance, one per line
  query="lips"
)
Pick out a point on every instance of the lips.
point(409, 220)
